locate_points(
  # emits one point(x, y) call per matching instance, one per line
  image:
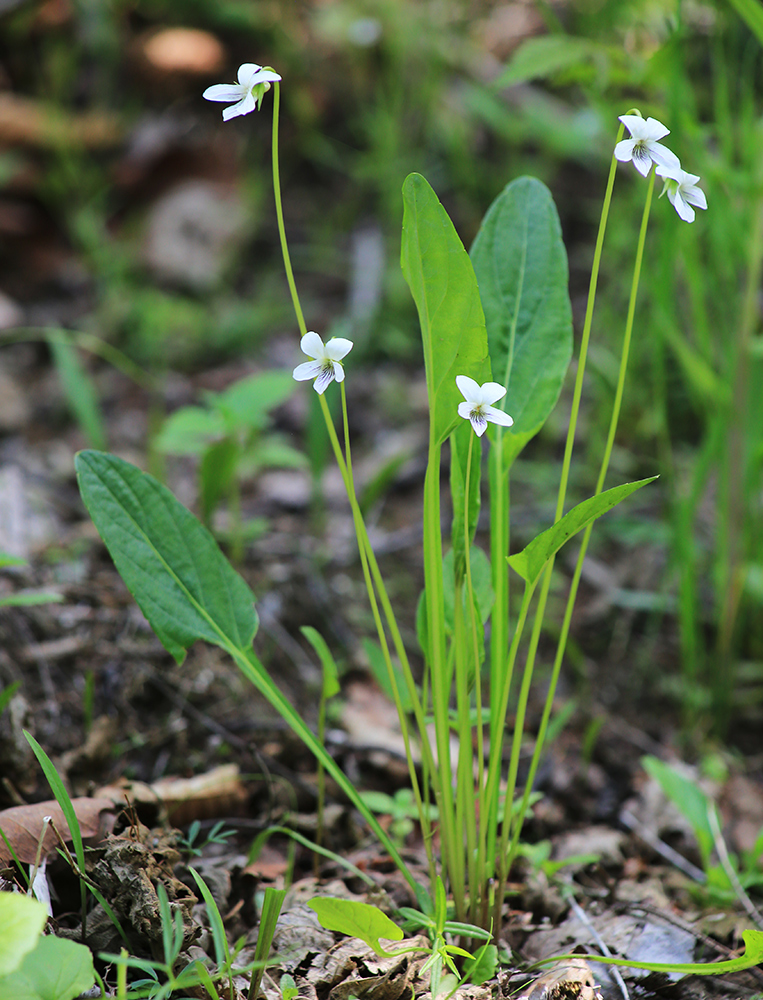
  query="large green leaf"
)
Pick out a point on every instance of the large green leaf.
point(521, 267)
point(444, 287)
point(187, 589)
point(171, 564)
point(530, 561)
point(57, 969)
point(360, 920)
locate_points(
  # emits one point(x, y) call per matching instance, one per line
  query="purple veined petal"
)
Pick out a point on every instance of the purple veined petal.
point(246, 73)
point(325, 378)
point(337, 348)
point(624, 150)
point(312, 345)
point(492, 392)
point(479, 423)
point(496, 416)
point(244, 106)
point(307, 370)
point(223, 92)
point(696, 196)
point(642, 161)
point(467, 387)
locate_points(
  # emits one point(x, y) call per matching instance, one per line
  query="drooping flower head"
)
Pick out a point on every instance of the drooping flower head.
point(326, 363)
point(643, 146)
point(478, 407)
point(682, 191)
point(247, 94)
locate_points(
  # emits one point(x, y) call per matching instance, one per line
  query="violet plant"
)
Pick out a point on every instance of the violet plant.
point(497, 341)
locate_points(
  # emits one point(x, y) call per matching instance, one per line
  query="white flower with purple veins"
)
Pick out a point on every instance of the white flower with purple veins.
point(643, 146)
point(326, 361)
point(682, 191)
point(478, 406)
point(247, 94)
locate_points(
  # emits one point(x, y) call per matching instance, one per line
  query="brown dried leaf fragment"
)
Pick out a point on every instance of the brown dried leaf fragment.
point(22, 825)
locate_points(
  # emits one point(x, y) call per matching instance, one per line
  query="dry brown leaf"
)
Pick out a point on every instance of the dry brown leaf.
point(570, 980)
point(22, 825)
point(219, 792)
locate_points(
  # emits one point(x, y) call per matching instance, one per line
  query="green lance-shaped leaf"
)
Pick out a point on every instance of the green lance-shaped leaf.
point(360, 920)
point(753, 955)
point(172, 565)
point(530, 561)
point(521, 267)
point(78, 387)
point(444, 287)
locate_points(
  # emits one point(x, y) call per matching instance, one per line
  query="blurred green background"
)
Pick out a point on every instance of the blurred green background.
point(130, 213)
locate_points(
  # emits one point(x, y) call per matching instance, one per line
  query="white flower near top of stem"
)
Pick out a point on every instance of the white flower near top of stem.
point(643, 147)
point(247, 94)
point(326, 360)
point(478, 407)
point(682, 191)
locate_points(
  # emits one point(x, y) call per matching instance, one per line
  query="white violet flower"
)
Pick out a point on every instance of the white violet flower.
point(643, 147)
point(326, 363)
point(477, 407)
point(682, 191)
point(247, 94)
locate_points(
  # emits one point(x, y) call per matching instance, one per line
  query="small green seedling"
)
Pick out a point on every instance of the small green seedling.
point(217, 835)
point(400, 807)
point(228, 436)
point(734, 874)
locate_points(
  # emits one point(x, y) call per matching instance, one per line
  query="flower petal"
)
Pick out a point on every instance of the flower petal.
point(654, 129)
point(696, 196)
point(223, 92)
point(465, 410)
point(325, 379)
point(642, 162)
point(246, 73)
point(244, 106)
point(492, 392)
point(307, 370)
point(468, 388)
point(496, 416)
point(624, 150)
point(663, 156)
point(479, 423)
point(312, 345)
point(685, 212)
point(337, 348)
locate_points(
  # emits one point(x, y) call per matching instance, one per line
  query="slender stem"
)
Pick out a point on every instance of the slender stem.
point(616, 406)
point(279, 213)
point(475, 848)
